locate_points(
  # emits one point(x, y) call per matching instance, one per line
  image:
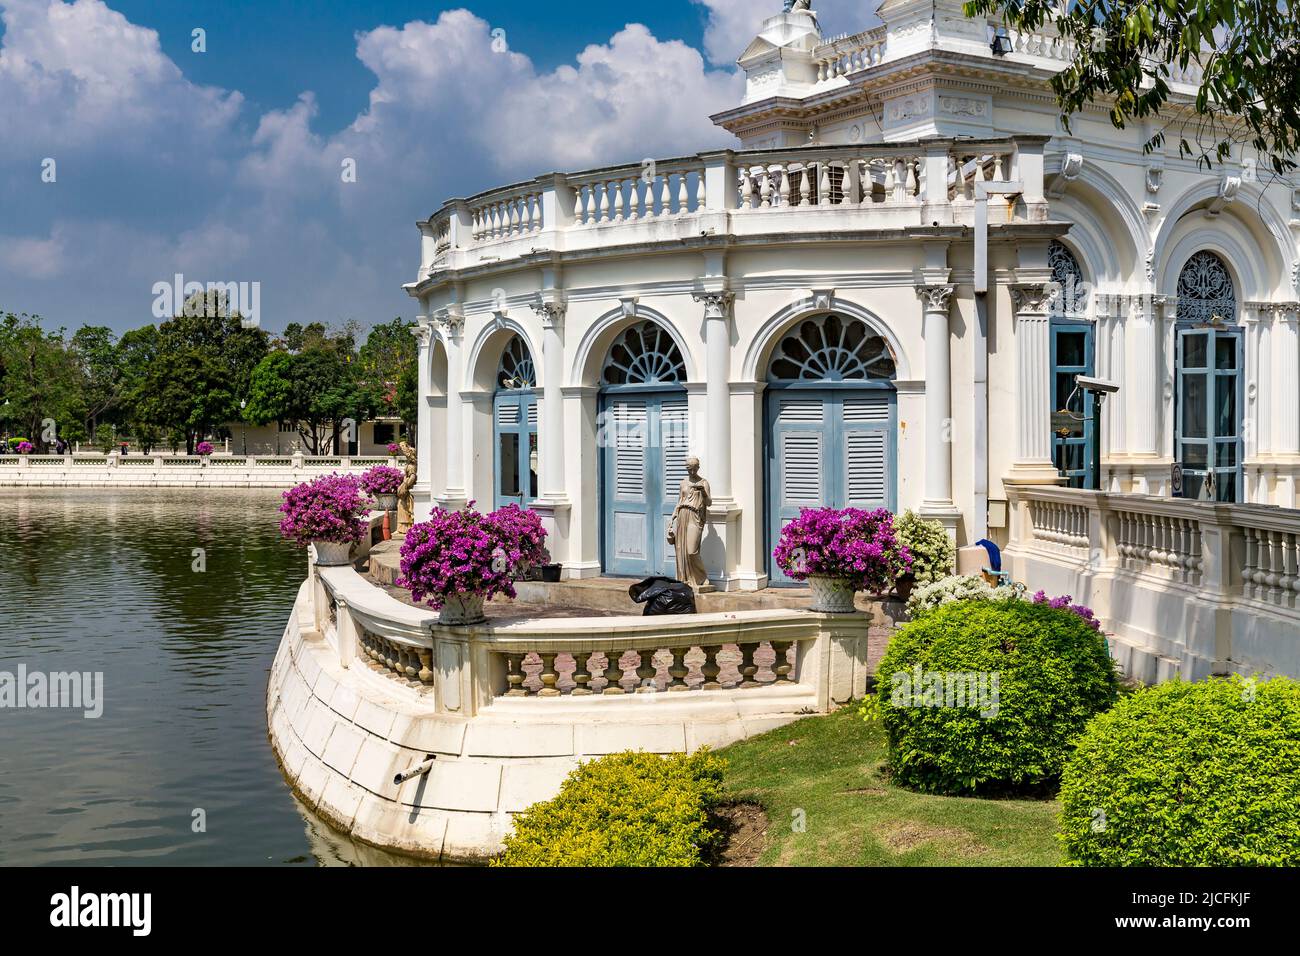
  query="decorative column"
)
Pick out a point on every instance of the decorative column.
point(452, 322)
point(1286, 386)
point(553, 506)
point(717, 343)
point(938, 405)
point(717, 452)
point(1146, 396)
point(550, 305)
point(1033, 464)
point(423, 333)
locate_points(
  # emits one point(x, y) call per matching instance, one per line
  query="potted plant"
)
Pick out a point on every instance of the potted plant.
point(839, 552)
point(933, 553)
point(458, 559)
point(382, 482)
point(394, 449)
point(204, 449)
point(328, 513)
point(25, 447)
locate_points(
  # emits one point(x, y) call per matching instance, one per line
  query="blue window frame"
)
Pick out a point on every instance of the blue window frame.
point(514, 417)
point(1072, 424)
point(831, 424)
point(1210, 400)
point(643, 436)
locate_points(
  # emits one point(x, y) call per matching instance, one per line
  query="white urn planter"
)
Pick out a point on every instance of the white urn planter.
point(461, 609)
point(831, 595)
point(332, 554)
point(386, 502)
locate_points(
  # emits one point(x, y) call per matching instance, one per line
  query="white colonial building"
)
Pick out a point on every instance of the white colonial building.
point(881, 296)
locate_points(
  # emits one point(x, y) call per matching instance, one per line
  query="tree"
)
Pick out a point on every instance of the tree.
point(94, 349)
point(199, 372)
point(390, 349)
point(38, 381)
point(1249, 94)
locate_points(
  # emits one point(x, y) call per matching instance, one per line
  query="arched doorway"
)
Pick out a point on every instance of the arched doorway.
point(643, 438)
point(1073, 353)
point(831, 423)
point(1210, 397)
point(514, 418)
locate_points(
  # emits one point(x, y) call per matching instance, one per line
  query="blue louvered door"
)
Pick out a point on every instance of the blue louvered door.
point(514, 417)
point(833, 448)
point(644, 439)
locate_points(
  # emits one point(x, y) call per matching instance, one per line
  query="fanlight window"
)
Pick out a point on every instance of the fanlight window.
point(516, 370)
point(1068, 274)
point(1205, 291)
point(644, 355)
point(831, 348)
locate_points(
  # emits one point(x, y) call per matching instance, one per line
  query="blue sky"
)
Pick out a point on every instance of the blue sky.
point(225, 165)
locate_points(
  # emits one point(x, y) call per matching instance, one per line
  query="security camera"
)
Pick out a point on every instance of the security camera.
point(1096, 384)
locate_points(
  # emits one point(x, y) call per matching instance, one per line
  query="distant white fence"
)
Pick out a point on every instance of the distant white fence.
point(175, 471)
point(1185, 587)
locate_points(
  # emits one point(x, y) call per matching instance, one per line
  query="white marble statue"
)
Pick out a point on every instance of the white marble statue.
point(686, 527)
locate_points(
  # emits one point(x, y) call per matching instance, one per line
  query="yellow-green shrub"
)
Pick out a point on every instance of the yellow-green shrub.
point(1183, 774)
point(626, 809)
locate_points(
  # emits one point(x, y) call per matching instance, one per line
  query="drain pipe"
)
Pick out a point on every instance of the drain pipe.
point(980, 376)
point(419, 770)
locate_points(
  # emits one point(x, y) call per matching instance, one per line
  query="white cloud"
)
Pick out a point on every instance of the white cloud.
point(186, 183)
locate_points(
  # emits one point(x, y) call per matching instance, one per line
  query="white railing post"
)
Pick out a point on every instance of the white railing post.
point(345, 631)
point(558, 199)
point(721, 181)
point(1027, 169)
point(461, 232)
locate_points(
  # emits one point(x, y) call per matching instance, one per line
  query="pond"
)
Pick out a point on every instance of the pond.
point(178, 598)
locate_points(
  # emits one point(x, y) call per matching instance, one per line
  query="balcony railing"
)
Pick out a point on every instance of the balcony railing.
point(1193, 580)
point(884, 186)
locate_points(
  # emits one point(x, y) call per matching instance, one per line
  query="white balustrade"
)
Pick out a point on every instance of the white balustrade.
point(849, 54)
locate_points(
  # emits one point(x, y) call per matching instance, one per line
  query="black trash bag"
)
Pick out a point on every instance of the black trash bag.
point(663, 596)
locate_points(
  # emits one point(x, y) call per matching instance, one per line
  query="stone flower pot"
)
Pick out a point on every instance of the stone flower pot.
point(904, 584)
point(332, 554)
point(462, 609)
point(386, 502)
point(831, 595)
point(551, 573)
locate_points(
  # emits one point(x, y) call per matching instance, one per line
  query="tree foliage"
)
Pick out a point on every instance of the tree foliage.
point(1121, 55)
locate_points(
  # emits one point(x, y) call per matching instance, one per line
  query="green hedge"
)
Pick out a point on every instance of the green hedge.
point(627, 809)
point(1204, 774)
point(1042, 673)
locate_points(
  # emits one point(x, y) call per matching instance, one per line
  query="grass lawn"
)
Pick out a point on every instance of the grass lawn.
point(829, 767)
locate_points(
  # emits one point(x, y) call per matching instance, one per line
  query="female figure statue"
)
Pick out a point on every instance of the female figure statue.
point(686, 526)
point(406, 500)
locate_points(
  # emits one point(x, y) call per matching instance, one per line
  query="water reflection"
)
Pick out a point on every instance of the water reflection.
point(94, 580)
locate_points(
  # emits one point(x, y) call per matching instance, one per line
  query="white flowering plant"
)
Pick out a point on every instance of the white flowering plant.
point(959, 587)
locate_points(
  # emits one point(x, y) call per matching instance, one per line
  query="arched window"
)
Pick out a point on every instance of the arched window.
point(645, 354)
point(1206, 294)
point(516, 370)
point(1072, 300)
point(831, 348)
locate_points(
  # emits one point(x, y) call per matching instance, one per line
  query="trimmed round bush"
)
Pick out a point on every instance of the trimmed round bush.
point(1182, 774)
point(982, 696)
point(626, 809)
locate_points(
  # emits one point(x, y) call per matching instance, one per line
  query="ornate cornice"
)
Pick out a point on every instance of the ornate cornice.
point(1033, 298)
point(452, 320)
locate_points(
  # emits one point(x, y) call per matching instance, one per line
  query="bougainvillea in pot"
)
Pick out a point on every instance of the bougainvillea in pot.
point(25, 448)
point(458, 559)
point(383, 482)
point(394, 449)
point(203, 448)
point(840, 551)
point(329, 512)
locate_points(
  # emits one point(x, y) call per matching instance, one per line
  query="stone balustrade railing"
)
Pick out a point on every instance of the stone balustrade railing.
point(184, 470)
point(463, 670)
point(1213, 586)
point(885, 185)
point(849, 54)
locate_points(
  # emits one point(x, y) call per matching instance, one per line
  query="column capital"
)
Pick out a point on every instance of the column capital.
point(935, 297)
point(422, 330)
point(452, 320)
point(717, 303)
point(1033, 299)
point(551, 305)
